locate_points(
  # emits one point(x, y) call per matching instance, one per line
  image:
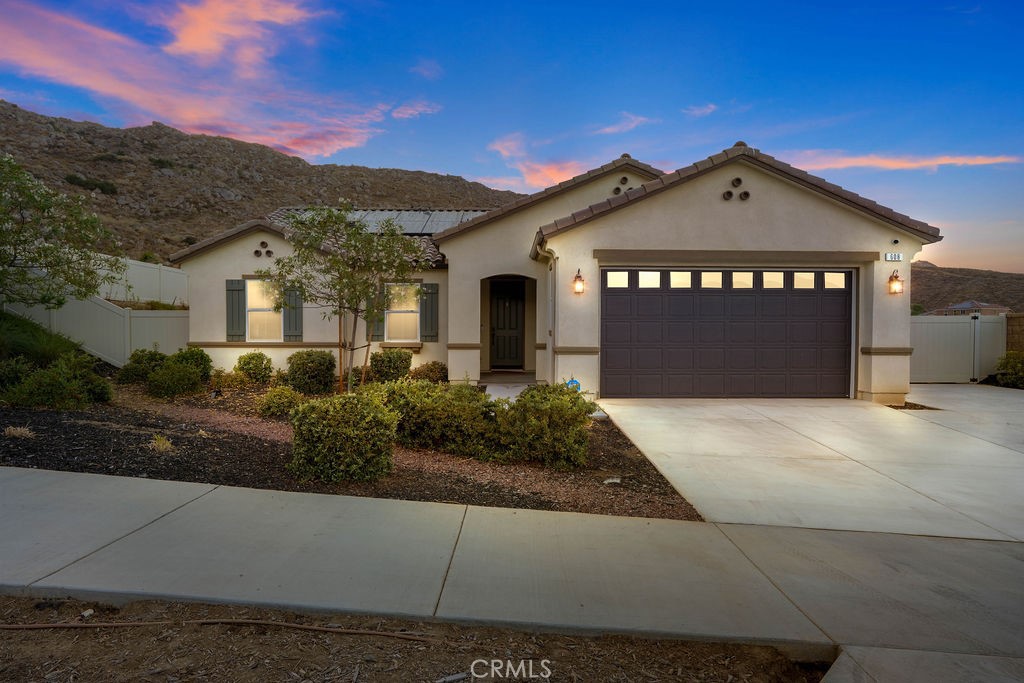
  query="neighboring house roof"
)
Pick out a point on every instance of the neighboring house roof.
point(740, 151)
point(624, 162)
point(433, 255)
point(973, 304)
point(411, 221)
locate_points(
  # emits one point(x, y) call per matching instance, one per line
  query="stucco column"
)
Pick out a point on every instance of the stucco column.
point(883, 352)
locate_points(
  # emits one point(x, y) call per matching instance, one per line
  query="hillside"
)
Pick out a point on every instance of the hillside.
point(160, 189)
point(934, 287)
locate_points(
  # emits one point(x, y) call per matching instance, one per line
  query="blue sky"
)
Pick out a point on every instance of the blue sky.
point(917, 105)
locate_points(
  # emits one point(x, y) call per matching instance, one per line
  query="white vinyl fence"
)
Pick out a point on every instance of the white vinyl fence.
point(150, 282)
point(955, 348)
point(110, 332)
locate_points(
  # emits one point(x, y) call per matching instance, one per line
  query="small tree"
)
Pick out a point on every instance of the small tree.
point(46, 243)
point(340, 265)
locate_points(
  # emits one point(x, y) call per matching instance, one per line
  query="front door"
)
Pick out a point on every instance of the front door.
point(508, 298)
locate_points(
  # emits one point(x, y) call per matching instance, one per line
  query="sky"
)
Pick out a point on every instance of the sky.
point(917, 105)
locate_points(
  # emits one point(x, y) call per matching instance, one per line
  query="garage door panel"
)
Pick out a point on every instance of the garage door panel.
point(749, 341)
point(617, 332)
point(617, 305)
point(650, 306)
point(648, 332)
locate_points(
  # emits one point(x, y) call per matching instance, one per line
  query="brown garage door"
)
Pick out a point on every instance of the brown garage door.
point(725, 333)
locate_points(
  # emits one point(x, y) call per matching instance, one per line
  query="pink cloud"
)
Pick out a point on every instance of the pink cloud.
point(698, 111)
point(412, 110)
point(146, 84)
point(514, 183)
point(628, 123)
point(428, 68)
point(210, 28)
point(536, 174)
point(819, 159)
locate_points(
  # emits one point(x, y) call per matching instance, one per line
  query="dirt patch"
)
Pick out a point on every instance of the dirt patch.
point(226, 446)
point(256, 653)
point(913, 406)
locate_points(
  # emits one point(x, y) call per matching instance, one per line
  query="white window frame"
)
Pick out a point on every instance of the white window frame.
point(417, 311)
point(249, 309)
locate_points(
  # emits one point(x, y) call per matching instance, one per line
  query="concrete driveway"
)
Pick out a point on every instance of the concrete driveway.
point(844, 464)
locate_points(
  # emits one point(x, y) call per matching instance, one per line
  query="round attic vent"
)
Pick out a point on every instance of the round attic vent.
point(263, 245)
point(257, 252)
point(623, 180)
point(736, 182)
point(727, 195)
point(617, 190)
point(269, 253)
point(744, 195)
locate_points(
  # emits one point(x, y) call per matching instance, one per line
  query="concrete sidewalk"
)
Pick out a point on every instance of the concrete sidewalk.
point(955, 604)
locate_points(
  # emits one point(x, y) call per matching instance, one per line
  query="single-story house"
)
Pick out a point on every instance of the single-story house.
point(971, 307)
point(738, 276)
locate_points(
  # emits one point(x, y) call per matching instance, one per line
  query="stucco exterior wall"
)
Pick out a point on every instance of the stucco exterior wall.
point(208, 271)
point(503, 248)
point(779, 216)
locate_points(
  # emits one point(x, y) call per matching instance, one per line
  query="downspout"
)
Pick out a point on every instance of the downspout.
point(541, 249)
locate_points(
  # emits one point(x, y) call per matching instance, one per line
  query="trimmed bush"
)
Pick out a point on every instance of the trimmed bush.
point(256, 366)
point(173, 379)
point(68, 384)
point(545, 424)
point(390, 364)
point(454, 418)
point(312, 372)
point(197, 358)
point(435, 371)
point(1010, 370)
point(140, 365)
point(279, 402)
point(13, 371)
point(222, 380)
point(343, 437)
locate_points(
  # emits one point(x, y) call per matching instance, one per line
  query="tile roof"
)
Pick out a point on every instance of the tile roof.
point(624, 162)
point(740, 151)
point(434, 257)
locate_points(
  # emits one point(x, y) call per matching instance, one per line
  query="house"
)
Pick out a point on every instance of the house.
point(971, 307)
point(738, 276)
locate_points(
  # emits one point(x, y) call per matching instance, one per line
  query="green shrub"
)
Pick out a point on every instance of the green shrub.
point(140, 366)
point(222, 380)
point(1010, 370)
point(68, 384)
point(256, 366)
point(13, 371)
point(455, 418)
point(312, 372)
point(435, 371)
point(343, 437)
point(390, 364)
point(173, 379)
point(279, 402)
point(197, 358)
point(546, 424)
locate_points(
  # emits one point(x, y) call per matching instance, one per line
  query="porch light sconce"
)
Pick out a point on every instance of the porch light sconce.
point(578, 284)
point(895, 283)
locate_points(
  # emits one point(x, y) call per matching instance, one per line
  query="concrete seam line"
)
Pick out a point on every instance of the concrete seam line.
point(718, 525)
point(121, 537)
point(451, 559)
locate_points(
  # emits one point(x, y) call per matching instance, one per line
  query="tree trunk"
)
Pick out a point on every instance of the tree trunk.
point(341, 354)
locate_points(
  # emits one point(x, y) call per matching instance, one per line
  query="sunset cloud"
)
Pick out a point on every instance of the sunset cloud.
point(238, 29)
point(820, 159)
point(412, 110)
point(627, 123)
point(535, 174)
point(699, 111)
point(428, 68)
point(146, 84)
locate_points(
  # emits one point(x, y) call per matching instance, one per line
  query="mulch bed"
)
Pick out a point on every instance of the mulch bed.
point(228, 445)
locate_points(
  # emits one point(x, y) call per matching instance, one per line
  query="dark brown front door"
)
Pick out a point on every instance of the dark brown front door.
point(508, 303)
point(725, 333)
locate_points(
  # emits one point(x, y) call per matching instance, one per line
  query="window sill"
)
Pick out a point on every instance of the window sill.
point(413, 346)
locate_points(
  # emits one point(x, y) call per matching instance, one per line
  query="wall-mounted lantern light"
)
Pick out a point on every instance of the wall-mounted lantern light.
point(578, 285)
point(895, 283)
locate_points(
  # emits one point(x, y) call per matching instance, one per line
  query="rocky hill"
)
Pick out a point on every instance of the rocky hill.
point(934, 287)
point(160, 189)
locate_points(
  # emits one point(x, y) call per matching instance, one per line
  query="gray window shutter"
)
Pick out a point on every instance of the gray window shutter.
point(236, 310)
point(292, 315)
point(377, 334)
point(428, 312)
